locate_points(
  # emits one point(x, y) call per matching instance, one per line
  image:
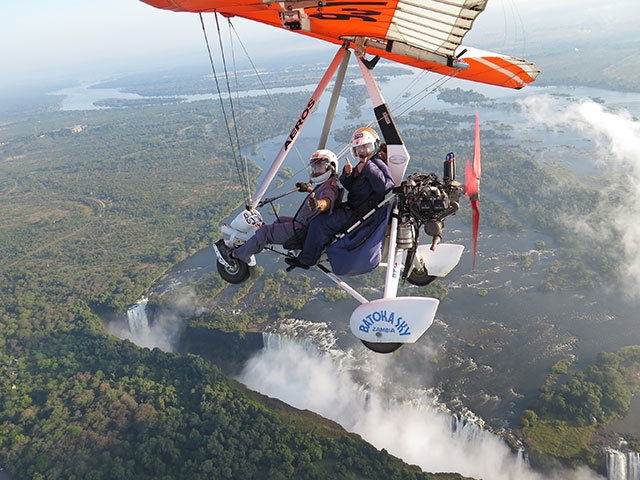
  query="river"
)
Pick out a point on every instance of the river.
point(542, 327)
point(489, 352)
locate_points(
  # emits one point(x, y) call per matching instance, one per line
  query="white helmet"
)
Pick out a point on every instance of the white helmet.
point(365, 143)
point(322, 165)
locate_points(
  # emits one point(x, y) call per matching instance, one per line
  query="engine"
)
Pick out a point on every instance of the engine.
point(425, 201)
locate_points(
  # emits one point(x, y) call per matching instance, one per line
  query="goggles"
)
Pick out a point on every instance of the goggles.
point(320, 165)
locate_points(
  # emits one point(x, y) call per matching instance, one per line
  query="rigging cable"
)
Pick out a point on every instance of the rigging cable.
point(245, 163)
point(242, 163)
point(276, 107)
point(243, 179)
point(414, 100)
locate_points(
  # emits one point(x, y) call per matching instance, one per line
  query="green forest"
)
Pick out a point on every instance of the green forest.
point(97, 205)
point(574, 404)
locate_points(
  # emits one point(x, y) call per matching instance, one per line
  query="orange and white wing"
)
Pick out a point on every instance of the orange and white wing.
point(426, 34)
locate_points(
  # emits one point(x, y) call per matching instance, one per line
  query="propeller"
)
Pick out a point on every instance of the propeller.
point(472, 173)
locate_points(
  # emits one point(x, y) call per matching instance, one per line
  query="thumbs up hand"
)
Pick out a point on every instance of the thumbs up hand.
point(348, 168)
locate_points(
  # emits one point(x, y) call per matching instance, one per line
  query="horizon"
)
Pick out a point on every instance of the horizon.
point(83, 40)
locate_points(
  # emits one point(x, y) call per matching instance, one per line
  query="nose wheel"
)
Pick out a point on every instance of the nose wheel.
point(420, 277)
point(230, 268)
point(237, 271)
point(382, 347)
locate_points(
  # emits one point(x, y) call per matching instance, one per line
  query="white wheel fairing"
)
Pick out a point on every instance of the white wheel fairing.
point(393, 320)
point(442, 260)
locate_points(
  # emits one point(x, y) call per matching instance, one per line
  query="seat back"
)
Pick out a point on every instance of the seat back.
point(360, 250)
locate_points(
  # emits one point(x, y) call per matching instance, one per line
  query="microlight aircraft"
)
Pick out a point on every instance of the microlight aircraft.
point(425, 34)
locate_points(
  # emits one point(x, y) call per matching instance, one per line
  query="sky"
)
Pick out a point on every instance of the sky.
point(83, 38)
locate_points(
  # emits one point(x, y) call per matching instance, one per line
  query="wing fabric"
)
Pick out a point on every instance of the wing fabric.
point(437, 26)
point(433, 25)
point(426, 34)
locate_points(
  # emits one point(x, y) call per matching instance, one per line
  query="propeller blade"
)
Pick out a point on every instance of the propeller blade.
point(477, 163)
point(471, 181)
point(473, 172)
point(476, 226)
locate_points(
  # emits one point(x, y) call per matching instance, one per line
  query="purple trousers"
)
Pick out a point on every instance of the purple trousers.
point(275, 233)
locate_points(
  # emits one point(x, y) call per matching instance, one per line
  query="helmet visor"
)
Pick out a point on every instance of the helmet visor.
point(319, 166)
point(363, 151)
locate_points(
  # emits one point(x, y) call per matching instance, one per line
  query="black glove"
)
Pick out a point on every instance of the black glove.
point(303, 186)
point(312, 202)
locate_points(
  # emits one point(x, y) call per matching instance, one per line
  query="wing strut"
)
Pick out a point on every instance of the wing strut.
point(333, 103)
point(397, 154)
point(293, 135)
point(342, 284)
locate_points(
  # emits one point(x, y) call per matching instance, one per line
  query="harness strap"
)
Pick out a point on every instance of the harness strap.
point(364, 217)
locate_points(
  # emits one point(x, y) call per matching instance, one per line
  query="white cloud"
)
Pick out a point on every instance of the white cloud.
point(617, 137)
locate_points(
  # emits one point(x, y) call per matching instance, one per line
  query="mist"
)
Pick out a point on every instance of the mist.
point(616, 134)
point(165, 330)
point(412, 428)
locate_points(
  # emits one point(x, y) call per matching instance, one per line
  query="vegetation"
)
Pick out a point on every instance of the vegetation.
point(542, 208)
point(572, 406)
point(462, 97)
point(97, 205)
point(291, 292)
point(82, 405)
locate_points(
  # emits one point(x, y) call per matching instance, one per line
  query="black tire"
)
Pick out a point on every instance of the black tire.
point(238, 271)
point(420, 278)
point(382, 347)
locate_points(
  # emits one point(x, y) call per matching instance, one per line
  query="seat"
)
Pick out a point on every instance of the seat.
point(360, 250)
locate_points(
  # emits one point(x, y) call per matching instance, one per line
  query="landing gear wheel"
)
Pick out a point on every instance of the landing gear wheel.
point(236, 273)
point(420, 277)
point(382, 347)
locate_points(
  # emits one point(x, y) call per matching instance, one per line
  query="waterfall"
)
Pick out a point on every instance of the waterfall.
point(315, 336)
point(276, 341)
point(633, 465)
point(161, 329)
point(623, 466)
point(137, 318)
point(469, 428)
point(404, 420)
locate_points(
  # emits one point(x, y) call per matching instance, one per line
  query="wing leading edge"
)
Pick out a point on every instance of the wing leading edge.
point(426, 34)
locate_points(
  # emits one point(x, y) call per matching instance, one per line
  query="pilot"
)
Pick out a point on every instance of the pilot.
point(322, 189)
point(367, 183)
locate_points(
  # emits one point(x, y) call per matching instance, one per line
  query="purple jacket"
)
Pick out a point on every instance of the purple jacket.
point(327, 189)
point(373, 182)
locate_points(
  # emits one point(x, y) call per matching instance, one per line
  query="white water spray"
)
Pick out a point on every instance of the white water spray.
point(623, 466)
point(413, 429)
point(617, 153)
point(163, 332)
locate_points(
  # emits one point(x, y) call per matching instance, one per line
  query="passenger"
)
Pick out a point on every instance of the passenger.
point(323, 190)
point(367, 183)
